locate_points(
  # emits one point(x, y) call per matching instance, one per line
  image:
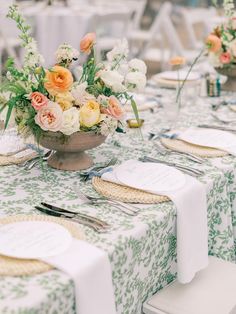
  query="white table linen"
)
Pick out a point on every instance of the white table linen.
point(192, 233)
point(90, 269)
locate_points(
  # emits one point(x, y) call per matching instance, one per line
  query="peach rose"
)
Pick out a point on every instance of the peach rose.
point(213, 43)
point(38, 100)
point(114, 109)
point(49, 117)
point(87, 43)
point(58, 80)
point(225, 58)
point(177, 60)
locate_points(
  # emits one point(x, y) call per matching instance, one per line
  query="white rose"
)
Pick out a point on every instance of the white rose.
point(113, 79)
point(233, 47)
point(135, 81)
point(80, 94)
point(70, 121)
point(119, 52)
point(138, 65)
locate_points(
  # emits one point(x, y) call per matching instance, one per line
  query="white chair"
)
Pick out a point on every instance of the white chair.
point(193, 17)
point(142, 40)
point(212, 291)
point(175, 46)
point(138, 8)
point(109, 28)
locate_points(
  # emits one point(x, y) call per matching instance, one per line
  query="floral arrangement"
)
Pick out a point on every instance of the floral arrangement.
point(52, 100)
point(221, 43)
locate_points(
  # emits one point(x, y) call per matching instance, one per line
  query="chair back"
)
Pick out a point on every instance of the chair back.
point(112, 24)
point(192, 17)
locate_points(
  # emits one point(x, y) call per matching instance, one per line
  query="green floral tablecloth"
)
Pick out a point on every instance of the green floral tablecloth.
point(142, 249)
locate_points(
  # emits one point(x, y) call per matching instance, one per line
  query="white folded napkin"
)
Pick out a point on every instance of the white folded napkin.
point(190, 200)
point(90, 269)
point(223, 140)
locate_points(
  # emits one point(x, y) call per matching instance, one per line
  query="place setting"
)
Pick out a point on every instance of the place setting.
point(117, 157)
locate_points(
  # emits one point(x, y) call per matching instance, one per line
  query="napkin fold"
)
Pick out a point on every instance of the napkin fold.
point(192, 231)
point(90, 269)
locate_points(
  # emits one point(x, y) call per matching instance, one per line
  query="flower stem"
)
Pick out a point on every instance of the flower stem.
point(187, 75)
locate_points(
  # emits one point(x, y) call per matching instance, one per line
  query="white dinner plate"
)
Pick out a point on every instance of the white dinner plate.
point(175, 76)
point(151, 177)
point(33, 239)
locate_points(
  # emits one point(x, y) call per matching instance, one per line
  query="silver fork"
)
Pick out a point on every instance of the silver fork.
point(165, 151)
point(126, 208)
point(33, 163)
point(222, 120)
point(85, 174)
point(186, 169)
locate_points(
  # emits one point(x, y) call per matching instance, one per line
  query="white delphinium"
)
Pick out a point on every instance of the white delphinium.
point(113, 79)
point(108, 125)
point(66, 54)
point(70, 121)
point(119, 52)
point(137, 65)
point(228, 6)
point(135, 81)
point(80, 94)
point(32, 57)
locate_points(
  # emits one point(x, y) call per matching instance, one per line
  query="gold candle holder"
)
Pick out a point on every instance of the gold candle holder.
point(133, 123)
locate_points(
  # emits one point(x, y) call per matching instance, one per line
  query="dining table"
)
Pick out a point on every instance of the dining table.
point(55, 24)
point(141, 248)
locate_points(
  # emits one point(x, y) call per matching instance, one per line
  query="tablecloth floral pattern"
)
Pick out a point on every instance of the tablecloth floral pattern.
point(142, 249)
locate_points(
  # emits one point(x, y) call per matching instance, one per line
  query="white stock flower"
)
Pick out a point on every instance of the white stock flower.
point(103, 100)
point(214, 60)
point(138, 65)
point(113, 79)
point(135, 81)
point(78, 71)
point(66, 53)
point(233, 47)
point(108, 125)
point(70, 121)
point(32, 57)
point(80, 94)
point(233, 22)
point(119, 52)
point(123, 68)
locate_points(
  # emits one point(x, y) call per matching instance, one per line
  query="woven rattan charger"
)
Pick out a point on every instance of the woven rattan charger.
point(125, 194)
point(19, 267)
point(185, 147)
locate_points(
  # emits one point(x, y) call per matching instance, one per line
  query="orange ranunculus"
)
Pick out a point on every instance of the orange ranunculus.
point(87, 42)
point(213, 43)
point(177, 60)
point(58, 80)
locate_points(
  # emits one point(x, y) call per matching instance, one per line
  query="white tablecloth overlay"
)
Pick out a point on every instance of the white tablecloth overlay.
point(192, 231)
point(90, 269)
